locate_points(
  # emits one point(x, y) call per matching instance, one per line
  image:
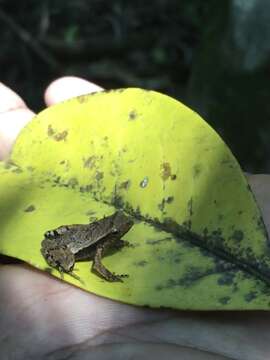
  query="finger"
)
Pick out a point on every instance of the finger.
point(68, 87)
point(35, 304)
point(14, 115)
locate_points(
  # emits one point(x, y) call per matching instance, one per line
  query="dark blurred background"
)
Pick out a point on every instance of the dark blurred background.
point(212, 55)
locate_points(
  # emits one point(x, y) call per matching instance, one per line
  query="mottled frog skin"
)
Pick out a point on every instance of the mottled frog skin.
point(65, 245)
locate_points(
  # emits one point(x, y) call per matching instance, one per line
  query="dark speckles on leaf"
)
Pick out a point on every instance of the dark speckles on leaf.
point(118, 201)
point(141, 263)
point(161, 206)
point(57, 179)
point(165, 171)
point(250, 296)
point(190, 207)
point(238, 235)
point(65, 165)
point(226, 278)
point(205, 232)
point(187, 224)
point(17, 170)
point(99, 175)
point(133, 115)
point(165, 201)
point(90, 213)
point(50, 132)
point(57, 135)
point(61, 135)
point(86, 188)
point(125, 185)
point(215, 238)
point(72, 182)
point(197, 169)
point(30, 208)
point(173, 177)
point(169, 199)
point(224, 300)
point(90, 162)
point(116, 169)
point(249, 252)
point(220, 217)
point(192, 275)
point(156, 242)
point(225, 161)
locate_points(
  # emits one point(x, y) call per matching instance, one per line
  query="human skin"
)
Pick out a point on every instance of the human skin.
point(44, 318)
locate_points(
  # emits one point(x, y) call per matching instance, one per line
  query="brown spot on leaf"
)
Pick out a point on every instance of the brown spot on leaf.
point(165, 171)
point(133, 115)
point(57, 135)
point(90, 162)
point(167, 200)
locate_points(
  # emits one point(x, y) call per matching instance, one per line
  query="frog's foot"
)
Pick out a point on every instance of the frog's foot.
point(100, 269)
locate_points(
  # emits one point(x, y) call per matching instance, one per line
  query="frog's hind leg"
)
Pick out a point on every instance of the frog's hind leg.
point(100, 269)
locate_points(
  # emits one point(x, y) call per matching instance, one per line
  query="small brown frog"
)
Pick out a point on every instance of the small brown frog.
point(65, 245)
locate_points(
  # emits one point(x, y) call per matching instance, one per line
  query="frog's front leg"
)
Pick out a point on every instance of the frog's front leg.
point(99, 268)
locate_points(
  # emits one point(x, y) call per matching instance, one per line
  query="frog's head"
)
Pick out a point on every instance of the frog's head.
point(60, 258)
point(121, 223)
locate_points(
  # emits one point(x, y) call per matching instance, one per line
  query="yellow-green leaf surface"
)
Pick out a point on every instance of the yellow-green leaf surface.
point(199, 239)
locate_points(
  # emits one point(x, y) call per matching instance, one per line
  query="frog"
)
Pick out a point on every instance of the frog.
point(67, 244)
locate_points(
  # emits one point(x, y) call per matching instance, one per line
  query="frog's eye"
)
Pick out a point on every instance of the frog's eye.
point(50, 234)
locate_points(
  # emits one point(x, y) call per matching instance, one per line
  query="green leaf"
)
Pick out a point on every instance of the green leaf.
point(199, 239)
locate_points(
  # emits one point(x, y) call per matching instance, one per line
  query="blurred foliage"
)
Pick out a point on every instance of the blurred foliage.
point(114, 44)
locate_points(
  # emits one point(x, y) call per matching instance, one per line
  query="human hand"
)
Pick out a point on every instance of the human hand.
point(44, 318)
